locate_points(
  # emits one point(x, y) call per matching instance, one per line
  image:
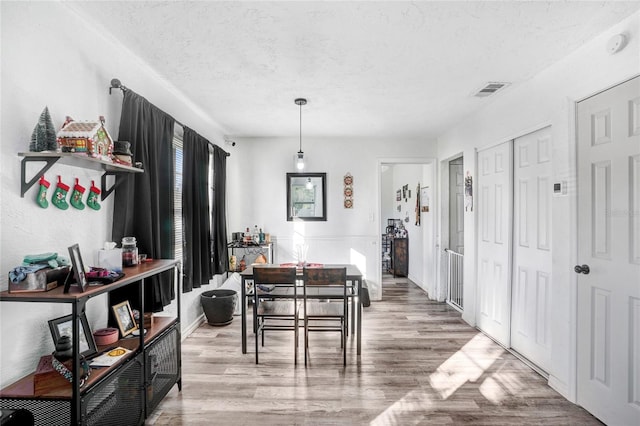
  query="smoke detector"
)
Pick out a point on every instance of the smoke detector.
point(489, 89)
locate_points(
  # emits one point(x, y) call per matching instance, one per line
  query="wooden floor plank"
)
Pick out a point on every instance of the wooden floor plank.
point(420, 364)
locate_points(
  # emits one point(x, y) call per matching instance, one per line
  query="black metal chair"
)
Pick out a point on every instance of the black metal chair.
point(275, 305)
point(325, 304)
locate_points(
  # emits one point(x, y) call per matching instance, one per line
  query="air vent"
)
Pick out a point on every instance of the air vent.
point(489, 89)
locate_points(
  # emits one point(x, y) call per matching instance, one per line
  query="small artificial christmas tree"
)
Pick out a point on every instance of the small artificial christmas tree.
point(43, 137)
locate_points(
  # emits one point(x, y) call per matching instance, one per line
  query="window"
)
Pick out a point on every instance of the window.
point(177, 194)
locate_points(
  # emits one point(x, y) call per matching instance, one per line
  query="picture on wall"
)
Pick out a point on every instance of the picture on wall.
point(468, 193)
point(398, 195)
point(424, 199)
point(348, 191)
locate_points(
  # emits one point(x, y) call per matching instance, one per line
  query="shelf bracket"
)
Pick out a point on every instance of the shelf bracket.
point(24, 185)
point(104, 191)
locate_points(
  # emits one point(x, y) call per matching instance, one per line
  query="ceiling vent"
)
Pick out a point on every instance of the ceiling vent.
point(489, 89)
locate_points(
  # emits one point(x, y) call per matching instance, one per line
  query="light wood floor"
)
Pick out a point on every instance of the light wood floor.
point(420, 364)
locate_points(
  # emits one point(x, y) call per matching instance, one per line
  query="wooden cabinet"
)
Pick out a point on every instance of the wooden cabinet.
point(399, 256)
point(123, 394)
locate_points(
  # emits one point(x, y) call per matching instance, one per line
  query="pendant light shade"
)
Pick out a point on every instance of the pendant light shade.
point(300, 157)
point(300, 161)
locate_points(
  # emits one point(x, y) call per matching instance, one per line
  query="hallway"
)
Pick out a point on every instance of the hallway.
point(421, 364)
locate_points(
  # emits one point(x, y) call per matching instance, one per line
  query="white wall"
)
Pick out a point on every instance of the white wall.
point(547, 99)
point(50, 57)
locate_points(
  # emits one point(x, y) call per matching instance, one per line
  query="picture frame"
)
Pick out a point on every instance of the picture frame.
point(63, 327)
point(424, 199)
point(124, 317)
point(77, 266)
point(306, 197)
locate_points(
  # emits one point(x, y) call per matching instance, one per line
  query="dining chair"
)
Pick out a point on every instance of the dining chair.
point(325, 304)
point(277, 308)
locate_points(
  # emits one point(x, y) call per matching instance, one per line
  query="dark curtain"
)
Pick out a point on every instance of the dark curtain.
point(198, 268)
point(143, 204)
point(218, 214)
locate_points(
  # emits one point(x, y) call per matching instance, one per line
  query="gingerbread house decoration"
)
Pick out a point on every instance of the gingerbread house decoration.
point(90, 137)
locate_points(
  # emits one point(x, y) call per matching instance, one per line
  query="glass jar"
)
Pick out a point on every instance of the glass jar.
point(129, 251)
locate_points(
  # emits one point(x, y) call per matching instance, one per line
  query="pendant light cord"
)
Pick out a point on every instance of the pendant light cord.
point(300, 127)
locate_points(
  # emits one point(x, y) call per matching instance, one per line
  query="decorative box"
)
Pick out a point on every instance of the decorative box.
point(105, 336)
point(42, 280)
point(147, 320)
point(46, 378)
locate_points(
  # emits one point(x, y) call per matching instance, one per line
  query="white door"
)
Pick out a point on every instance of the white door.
point(456, 206)
point(494, 241)
point(608, 127)
point(531, 282)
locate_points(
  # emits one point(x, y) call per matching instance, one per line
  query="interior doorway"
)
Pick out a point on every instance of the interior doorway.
point(406, 194)
point(456, 206)
point(452, 255)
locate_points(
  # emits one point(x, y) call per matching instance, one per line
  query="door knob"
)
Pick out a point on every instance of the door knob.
point(584, 269)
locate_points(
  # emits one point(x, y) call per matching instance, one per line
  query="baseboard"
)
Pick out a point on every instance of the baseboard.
point(186, 332)
point(560, 387)
point(529, 363)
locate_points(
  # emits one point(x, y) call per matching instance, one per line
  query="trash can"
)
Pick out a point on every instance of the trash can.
point(218, 305)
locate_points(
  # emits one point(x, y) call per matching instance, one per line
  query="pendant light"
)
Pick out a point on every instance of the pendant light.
point(300, 158)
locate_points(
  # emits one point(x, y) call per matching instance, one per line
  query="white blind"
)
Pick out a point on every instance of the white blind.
point(177, 195)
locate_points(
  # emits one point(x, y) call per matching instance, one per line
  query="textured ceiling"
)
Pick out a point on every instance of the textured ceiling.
point(368, 69)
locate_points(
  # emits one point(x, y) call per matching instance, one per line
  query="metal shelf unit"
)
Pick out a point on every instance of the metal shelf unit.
point(123, 394)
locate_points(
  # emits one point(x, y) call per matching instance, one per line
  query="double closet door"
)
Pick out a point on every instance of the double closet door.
point(514, 244)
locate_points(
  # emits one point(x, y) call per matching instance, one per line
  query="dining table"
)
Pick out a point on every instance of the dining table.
point(354, 276)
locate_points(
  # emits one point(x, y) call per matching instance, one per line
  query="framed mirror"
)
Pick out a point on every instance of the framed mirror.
point(306, 196)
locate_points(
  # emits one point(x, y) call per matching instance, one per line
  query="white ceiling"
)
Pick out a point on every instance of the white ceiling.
point(368, 69)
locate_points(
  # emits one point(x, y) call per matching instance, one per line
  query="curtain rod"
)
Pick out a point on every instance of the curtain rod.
point(116, 84)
